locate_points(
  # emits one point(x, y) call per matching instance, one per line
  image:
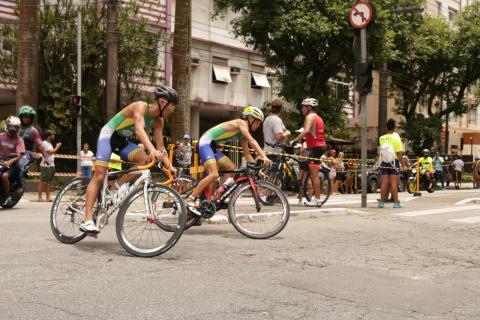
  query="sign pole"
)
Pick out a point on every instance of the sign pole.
point(360, 16)
point(363, 120)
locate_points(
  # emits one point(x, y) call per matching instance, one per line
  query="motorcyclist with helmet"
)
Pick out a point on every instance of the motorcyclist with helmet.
point(31, 136)
point(12, 147)
point(426, 165)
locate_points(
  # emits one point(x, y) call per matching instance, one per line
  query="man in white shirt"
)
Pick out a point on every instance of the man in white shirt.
point(47, 166)
point(274, 131)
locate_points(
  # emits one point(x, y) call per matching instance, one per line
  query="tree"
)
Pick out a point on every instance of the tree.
point(28, 53)
point(308, 42)
point(138, 56)
point(180, 122)
point(432, 62)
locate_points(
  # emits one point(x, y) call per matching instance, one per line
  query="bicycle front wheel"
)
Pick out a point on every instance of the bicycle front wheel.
point(140, 221)
point(259, 219)
point(68, 210)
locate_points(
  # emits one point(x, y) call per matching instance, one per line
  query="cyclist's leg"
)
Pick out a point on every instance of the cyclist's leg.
point(133, 153)
point(104, 151)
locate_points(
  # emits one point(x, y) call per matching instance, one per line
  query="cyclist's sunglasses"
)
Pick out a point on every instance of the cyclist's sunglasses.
point(171, 106)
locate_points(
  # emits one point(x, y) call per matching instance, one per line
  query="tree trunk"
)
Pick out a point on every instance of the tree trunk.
point(181, 67)
point(28, 53)
point(112, 60)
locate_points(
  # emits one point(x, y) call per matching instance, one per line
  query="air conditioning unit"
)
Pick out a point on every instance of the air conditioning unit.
point(235, 71)
point(194, 62)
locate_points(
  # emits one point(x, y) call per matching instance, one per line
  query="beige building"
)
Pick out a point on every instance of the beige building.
point(226, 75)
point(465, 127)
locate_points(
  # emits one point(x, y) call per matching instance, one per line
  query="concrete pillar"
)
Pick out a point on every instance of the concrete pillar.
point(195, 123)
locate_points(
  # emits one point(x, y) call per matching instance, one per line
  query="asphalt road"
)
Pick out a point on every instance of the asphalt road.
point(347, 262)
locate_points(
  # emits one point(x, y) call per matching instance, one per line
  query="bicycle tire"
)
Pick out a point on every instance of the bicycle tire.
point(190, 183)
point(242, 222)
point(70, 210)
point(149, 222)
point(325, 189)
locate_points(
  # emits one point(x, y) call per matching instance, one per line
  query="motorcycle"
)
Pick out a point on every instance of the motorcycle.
point(425, 184)
point(16, 190)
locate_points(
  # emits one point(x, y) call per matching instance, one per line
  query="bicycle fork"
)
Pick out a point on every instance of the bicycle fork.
point(255, 194)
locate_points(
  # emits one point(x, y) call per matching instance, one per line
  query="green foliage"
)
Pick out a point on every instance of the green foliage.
point(422, 131)
point(138, 56)
point(432, 62)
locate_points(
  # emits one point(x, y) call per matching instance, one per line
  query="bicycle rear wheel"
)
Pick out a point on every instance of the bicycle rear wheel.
point(325, 187)
point(139, 228)
point(184, 185)
point(265, 221)
point(68, 210)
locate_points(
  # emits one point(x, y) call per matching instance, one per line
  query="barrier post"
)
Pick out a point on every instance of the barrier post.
point(417, 173)
point(195, 160)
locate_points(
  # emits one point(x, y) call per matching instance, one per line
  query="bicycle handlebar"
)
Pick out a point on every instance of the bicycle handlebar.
point(148, 165)
point(169, 176)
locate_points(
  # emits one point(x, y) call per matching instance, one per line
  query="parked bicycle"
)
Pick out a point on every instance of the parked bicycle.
point(257, 209)
point(282, 173)
point(143, 209)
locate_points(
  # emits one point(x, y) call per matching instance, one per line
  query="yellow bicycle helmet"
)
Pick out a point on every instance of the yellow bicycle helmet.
point(254, 112)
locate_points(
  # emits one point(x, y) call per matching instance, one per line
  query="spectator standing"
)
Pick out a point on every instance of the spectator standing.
point(10, 143)
point(185, 148)
point(86, 161)
point(476, 171)
point(274, 131)
point(391, 149)
point(313, 132)
point(47, 166)
point(438, 166)
point(458, 166)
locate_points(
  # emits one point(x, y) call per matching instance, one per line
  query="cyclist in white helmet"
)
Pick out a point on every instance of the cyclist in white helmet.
point(313, 132)
point(239, 129)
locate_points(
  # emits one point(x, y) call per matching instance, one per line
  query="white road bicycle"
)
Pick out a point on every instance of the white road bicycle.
point(143, 211)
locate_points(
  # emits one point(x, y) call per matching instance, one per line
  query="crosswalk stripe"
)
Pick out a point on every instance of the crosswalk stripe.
point(467, 220)
point(436, 211)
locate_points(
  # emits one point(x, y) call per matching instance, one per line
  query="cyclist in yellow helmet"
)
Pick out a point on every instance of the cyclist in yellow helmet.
point(239, 129)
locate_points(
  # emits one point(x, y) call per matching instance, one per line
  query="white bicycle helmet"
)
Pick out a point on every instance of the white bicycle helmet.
point(312, 102)
point(12, 125)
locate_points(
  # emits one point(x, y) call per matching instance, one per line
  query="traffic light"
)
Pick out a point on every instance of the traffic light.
point(364, 76)
point(74, 106)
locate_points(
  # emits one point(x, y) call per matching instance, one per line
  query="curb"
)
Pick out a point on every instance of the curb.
point(310, 213)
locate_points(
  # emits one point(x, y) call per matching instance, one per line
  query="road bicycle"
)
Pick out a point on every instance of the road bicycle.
point(143, 209)
point(281, 173)
point(257, 209)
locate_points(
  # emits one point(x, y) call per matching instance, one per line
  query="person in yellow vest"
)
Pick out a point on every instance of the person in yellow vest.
point(389, 170)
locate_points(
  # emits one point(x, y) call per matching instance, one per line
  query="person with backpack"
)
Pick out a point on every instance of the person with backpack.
point(391, 162)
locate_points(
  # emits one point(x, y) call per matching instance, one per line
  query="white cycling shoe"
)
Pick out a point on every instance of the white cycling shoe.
point(312, 203)
point(89, 227)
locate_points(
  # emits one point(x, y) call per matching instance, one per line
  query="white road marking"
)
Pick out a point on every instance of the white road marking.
point(437, 211)
point(468, 220)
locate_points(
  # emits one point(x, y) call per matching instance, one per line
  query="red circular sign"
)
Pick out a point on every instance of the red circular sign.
point(361, 14)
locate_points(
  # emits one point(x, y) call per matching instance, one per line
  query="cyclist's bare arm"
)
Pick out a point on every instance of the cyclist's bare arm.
point(307, 125)
point(138, 110)
point(246, 150)
point(158, 135)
